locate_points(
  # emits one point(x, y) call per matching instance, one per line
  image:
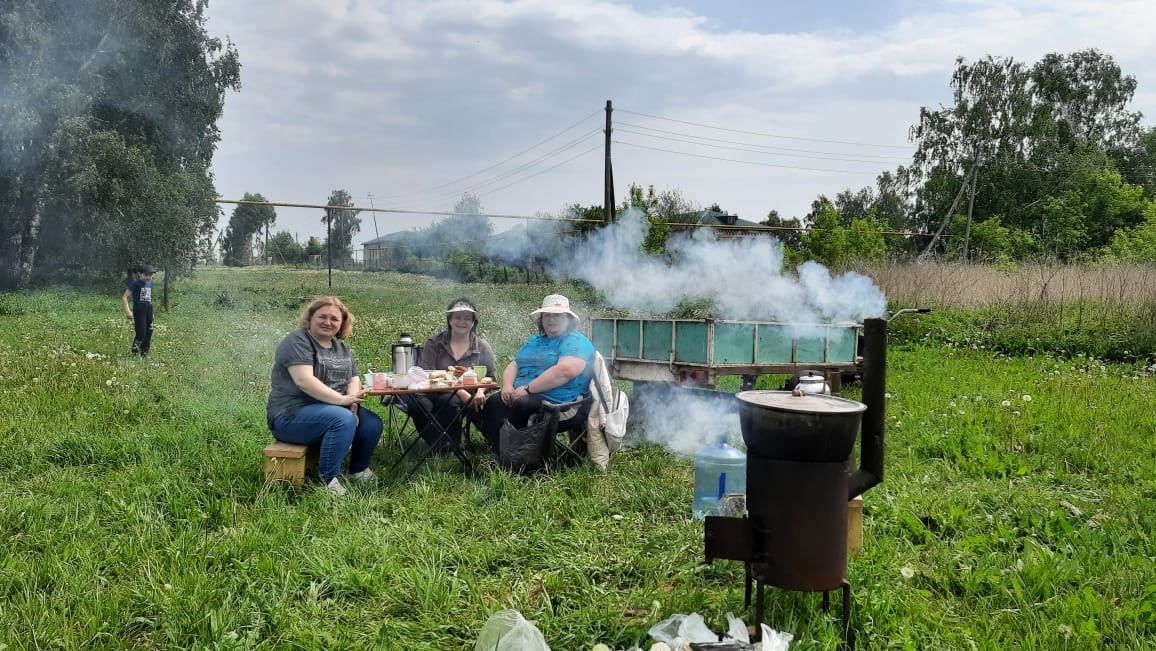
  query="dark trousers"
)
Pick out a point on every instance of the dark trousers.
point(142, 319)
point(496, 413)
point(447, 409)
point(338, 431)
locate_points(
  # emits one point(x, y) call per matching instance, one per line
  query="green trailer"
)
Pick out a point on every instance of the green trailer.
point(701, 350)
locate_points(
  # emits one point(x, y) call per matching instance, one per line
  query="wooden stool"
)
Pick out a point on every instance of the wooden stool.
point(855, 523)
point(289, 462)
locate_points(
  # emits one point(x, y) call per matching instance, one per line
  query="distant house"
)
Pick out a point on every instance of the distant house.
point(732, 226)
point(388, 251)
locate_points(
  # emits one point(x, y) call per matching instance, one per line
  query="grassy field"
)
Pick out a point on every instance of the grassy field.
point(1018, 509)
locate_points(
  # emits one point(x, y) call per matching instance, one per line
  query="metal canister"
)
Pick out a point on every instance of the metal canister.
point(401, 358)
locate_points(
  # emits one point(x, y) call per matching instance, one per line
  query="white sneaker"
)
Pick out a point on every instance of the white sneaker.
point(336, 487)
point(364, 476)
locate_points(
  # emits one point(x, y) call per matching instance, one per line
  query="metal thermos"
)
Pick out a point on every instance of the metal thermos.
point(403, 354)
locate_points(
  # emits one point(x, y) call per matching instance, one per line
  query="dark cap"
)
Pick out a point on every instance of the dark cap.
point(147, 269)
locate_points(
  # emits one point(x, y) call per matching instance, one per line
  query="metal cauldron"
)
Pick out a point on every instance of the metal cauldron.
point(807, 427)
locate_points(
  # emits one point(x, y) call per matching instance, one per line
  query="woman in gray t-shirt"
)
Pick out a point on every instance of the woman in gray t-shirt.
point(315, 393)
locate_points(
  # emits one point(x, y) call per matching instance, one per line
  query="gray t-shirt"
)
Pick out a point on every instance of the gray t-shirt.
point(334, 366)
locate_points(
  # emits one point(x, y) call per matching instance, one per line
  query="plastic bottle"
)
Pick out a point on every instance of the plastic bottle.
point(718, 471)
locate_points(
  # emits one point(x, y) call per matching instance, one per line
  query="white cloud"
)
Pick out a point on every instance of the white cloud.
point(392, 97)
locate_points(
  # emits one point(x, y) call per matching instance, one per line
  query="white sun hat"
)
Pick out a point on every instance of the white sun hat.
point(461, 306)
point(553, 304)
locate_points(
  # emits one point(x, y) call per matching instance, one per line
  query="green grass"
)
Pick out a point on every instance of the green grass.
point(133, 512)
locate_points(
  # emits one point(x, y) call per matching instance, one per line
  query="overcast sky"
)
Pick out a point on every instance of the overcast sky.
point(416, 101)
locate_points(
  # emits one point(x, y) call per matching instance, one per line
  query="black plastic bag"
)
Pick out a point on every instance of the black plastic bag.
point(523, 450)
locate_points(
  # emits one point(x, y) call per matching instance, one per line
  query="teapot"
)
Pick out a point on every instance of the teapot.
point(813, 382)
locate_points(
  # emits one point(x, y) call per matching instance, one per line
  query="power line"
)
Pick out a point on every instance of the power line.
point(527, 178)
point(734, 160)
point(495, 165)
point(764, 135)
point(880, 158)
point(401, 211)
point(521, 168)
point(575, 220)
point(751, 151)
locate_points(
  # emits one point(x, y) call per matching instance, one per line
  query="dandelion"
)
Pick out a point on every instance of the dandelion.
point(907, 571)
point(887, 395)
point(1026, 398)
point(1005, 403)
point(1016, 413)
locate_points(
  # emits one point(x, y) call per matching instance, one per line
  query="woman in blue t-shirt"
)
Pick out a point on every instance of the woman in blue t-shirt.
point(553, 365)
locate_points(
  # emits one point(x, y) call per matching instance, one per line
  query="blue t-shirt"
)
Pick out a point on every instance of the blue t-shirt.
point(541, 352)
point(142, 293)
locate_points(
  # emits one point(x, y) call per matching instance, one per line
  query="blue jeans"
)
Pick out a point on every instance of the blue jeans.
point(337, 430)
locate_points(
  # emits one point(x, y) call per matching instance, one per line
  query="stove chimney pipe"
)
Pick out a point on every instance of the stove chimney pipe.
point(870, 471)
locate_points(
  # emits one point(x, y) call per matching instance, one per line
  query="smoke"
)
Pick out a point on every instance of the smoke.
point(743, 278)
point(536, 244)
point(684, 419)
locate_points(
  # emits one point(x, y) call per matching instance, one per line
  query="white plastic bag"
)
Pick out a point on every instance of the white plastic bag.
point(678, 629)
point(507, 630)
point(736, 629)
point(774, 640)
point(415, 378)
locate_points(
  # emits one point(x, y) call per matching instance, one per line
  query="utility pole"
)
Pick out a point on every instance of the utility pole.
point(376, 233)
point(608, 178)
point(329, 243)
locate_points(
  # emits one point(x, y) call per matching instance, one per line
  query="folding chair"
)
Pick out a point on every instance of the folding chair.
point(566, 432)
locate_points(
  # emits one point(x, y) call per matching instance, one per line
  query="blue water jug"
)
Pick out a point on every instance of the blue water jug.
point(718, 470)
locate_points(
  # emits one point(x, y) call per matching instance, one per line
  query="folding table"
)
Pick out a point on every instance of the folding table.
point(430, 416)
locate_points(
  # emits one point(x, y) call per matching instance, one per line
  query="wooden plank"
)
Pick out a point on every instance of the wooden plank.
point(855, 523)
point(284, 450)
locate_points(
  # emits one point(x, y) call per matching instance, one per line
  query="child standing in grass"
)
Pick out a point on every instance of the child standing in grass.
point(140, 291)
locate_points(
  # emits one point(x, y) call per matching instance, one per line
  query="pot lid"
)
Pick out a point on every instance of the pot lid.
point(808, 403)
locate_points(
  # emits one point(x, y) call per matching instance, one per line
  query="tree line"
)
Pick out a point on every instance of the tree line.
point(108, 116)
point(1028, 161)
